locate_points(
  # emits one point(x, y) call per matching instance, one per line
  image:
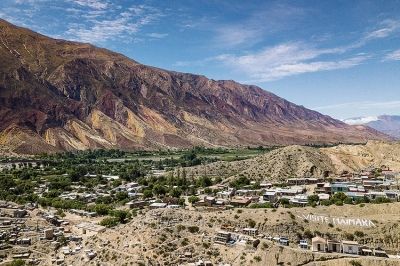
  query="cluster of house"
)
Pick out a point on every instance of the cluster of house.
point(81, 192)
point(229, 236)
point(15, 232)
point(12, 226)
point(355, 186)
point(361, 188)
point(206, 263)
point(320, 244)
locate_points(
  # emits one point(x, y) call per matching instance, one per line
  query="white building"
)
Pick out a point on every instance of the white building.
point(350, 247)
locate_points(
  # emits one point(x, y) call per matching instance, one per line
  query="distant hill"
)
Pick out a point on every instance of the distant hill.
point(388, 124)
point(57, 95)
point(300, 161)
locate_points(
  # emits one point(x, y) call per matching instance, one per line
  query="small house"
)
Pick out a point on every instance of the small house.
point(284, 241)
point(350, 247)
point(299, 200)
point(333, 246)
point(158, 205)
point(240, 202)
point(365, 251)
point(303, 244)
point(339, 187)
point(209, 201)
point(20, 213)
point(270, 196)
point(380, 253)
point(318, 244)
point(222, 237)
point(250, 231)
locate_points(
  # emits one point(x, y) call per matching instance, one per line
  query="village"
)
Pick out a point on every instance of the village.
point(65, 231)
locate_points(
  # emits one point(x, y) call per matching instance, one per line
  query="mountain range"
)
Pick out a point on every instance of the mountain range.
point(388, 124)
point(58, 95)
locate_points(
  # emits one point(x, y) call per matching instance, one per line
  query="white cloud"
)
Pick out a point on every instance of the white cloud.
point(29, 1)
point(269, 19)
point(362, 105)
point(387, 27)
point(94, 4)
point(395, 55)
point(287, 59)
point(361, 120)
point(157, 35)
point(122, 25)
point(293, 58)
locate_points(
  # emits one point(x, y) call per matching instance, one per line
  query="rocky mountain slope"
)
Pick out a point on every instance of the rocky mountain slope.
point(357, 157)
point(388, 124)
point(59, 95)
point(300, 161)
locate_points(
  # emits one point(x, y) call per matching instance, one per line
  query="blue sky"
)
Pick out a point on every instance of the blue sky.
point(341, 58)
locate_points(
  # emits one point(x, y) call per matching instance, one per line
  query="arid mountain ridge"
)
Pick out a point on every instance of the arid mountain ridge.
point(57, 95)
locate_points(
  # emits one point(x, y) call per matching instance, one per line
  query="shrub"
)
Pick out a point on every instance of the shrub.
point(256, 243)
point(339, 203)
point(261, 205)
point(359, 234)
point(326, 202)
point(109, 222)
point(308, 234)
point(381, 200)
point(313, 199)
point(193, 199)
point(355, 263)
point(193, 229)
point(348, 236)
point(252, 223)
point(284, 201)
point(16, 263)
point(348, 201)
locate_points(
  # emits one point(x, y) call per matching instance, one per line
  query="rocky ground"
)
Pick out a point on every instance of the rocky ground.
point(163, 236)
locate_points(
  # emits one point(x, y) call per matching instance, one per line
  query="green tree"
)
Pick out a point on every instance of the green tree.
point(193, 199)
point(121, 215)
point(251, 223)
point(175, 192)
point(147, 193)
point(313, 198)
point(159, 190)
point(121, 195)
point(17, 262)
point(109, 222)
point(204, 181)
point(102, 209)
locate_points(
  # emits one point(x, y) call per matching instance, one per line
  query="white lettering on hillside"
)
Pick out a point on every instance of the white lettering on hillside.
point(337, 220)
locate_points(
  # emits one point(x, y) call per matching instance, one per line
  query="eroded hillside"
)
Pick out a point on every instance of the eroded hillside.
point(299, 161)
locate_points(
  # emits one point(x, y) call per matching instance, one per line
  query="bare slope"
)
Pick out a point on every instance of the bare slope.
point(358, 157)
point(300, 161)
point(77, 96)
